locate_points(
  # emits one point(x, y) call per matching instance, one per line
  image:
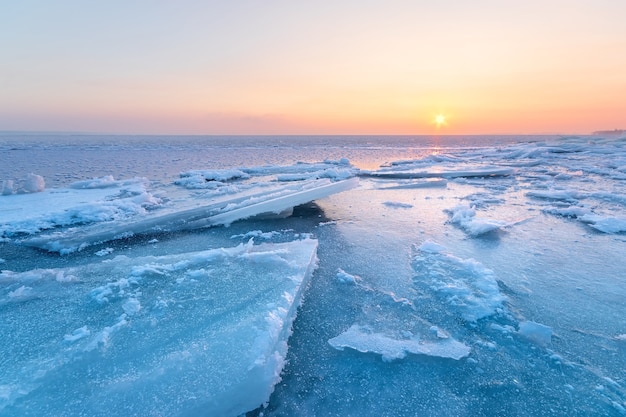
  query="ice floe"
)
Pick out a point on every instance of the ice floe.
point(397, 346)
point(536, 332)
point(106, 209)
point(201, 332)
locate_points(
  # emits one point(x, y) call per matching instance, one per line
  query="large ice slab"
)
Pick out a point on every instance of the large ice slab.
point(121, 213)
point(201, 333)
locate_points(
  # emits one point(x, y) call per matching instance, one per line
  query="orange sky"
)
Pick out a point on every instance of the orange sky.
point(284, 67)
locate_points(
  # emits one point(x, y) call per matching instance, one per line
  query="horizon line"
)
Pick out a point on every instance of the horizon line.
point(90, 133)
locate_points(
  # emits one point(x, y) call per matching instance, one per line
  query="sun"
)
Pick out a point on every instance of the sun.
point(440, 120)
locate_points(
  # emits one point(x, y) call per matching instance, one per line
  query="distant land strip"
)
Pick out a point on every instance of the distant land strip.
point(610, 132)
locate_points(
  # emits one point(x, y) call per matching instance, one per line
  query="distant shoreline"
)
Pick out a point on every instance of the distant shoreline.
point(610, 132)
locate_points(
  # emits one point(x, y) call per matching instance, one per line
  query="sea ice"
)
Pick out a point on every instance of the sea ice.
point(79, 204)
point(346, 278)
point(141, 336)
point(390, 347)
point(465, 217)
point(34, 183)
point(409, 171)
point(605, 224)
point(120, 212)
point(200, 333)
point(209, 178)
point(465, 284)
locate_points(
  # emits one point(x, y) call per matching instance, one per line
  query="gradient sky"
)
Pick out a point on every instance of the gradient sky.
point(315, 67)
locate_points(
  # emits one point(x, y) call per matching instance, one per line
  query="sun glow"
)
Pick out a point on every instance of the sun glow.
point(440, 120)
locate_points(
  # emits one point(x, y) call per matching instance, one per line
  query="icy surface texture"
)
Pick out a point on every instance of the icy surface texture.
point(476, 276)
point(511, 255)
point(200, 333)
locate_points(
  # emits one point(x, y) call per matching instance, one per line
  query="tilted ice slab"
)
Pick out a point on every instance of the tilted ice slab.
point(188, 212)
point(201, 333)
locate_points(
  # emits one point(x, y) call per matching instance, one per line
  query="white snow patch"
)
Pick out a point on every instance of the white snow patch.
point(465, 217)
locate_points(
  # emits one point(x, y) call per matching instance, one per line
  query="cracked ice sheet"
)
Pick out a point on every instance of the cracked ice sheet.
point(169, 335)
point(390, 327)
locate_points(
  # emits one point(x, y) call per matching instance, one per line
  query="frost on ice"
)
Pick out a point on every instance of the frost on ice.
point(202, 332)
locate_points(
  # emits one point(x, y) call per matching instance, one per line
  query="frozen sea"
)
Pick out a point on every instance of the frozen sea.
point(312, 275)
